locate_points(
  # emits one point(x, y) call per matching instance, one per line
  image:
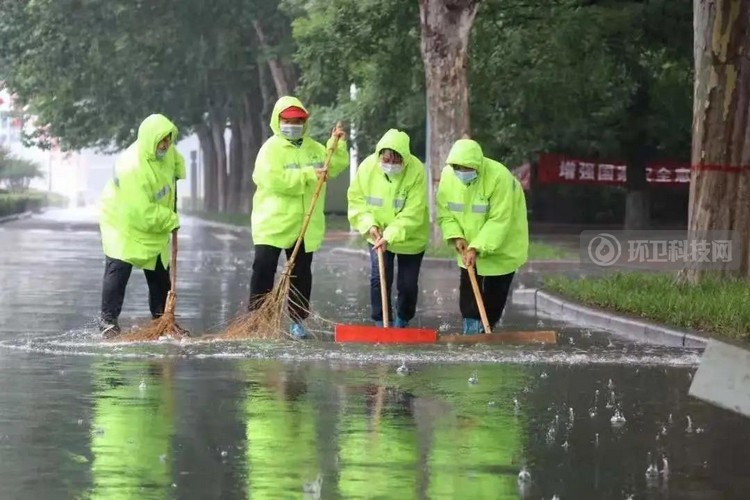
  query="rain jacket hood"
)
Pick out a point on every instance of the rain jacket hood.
point(281, 104)
point(151, 132)
point(466, 153)
point(395, 140)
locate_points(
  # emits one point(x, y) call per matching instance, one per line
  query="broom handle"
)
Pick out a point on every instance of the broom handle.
point(173, 264)
point(478, 297)
point(308, 215)
point(383, 290)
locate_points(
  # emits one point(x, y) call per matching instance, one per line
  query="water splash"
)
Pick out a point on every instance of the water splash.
point(474, 379)
point(652, 471)
point(524, 476)
point(402, 370)
point(689, 429)
point(618, 419)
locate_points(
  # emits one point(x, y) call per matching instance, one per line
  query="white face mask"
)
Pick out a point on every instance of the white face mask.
point(291, 131)
point(391, 168)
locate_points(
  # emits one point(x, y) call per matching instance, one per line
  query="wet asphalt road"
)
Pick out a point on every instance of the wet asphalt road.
point(79, 419)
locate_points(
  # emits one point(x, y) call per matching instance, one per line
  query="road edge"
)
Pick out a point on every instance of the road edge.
point(10, 218)
point(555, 307)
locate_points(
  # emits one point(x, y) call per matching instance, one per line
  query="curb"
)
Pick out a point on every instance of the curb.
point(9, 218)
point(554, 307)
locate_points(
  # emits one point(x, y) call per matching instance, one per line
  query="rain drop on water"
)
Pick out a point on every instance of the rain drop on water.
point(617, 419)
point(402, 370)
point(543, 375)
point(652, 471)
point(142, 386)
point(690, 425)
point(339, 291)
point(473, 379)
point(524, 476)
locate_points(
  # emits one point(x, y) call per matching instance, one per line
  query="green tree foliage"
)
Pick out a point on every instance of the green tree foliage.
point(373, 44)
point(578, 76)
point(17, 173)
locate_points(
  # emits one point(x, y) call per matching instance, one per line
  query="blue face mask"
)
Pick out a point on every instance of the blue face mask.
point(466, 177)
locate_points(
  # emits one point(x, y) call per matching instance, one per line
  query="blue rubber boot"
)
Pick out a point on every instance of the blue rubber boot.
point(298, 331)
point(400, 323)
point(472, 326)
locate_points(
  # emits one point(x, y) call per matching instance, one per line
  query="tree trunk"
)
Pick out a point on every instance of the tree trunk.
point(268, 101)
point(210, 198)
point(236, 166)
point(283, 74)
point(639, 148)
point(445, 29)
point(720, 181)
point(218, 126)
point(251, 142)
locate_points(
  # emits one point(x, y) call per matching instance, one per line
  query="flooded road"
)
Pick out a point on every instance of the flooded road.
point(79, 419)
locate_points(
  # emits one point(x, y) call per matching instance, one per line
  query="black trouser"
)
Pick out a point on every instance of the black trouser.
point(264, 272)
point(116, 276)
point(494, 291)
point(406, 284)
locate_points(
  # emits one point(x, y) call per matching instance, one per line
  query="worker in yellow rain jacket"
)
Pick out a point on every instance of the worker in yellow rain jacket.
point(286, 172)
point(388, 205)
point(481, 210)
point(137, 217)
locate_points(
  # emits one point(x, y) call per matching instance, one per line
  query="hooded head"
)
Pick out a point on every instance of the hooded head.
point(152, 134)
point(466, 157)
point(295, 118)
point(393, 151)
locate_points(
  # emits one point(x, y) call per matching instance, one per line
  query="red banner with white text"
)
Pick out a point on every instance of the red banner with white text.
point(561, 169)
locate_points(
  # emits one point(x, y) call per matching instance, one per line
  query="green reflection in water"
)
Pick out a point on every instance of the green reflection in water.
point(281, 440)
point(132, 431)
point(430, 434)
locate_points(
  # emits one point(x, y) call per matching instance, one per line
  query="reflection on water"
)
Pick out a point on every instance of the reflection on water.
point(132, 427)
point(267, 429)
